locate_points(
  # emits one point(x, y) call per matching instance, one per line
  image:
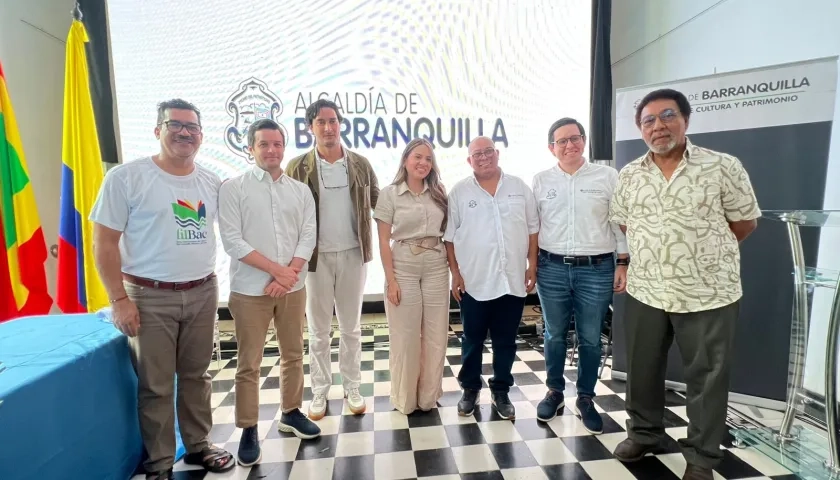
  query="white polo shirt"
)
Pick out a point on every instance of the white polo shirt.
point(490, 235)
point(574, 211)
point(274, 217)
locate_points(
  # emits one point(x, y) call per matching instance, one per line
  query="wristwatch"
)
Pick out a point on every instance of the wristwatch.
point(622, 261)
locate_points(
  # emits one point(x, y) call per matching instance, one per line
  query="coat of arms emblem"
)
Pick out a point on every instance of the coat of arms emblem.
point(250, 102)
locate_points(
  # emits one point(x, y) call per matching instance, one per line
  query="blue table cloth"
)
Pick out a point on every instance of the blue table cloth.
point(68, 400)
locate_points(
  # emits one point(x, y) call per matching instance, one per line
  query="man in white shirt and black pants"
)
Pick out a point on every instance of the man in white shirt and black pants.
point(154, 243)
point(491, 244)
point(577, 269)
point(267, 224)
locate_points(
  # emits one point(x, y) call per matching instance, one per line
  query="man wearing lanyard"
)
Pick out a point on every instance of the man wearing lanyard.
point(154, 244)
point(491, 244)
point(577, 270)
point(267, 225)
point(345, 191)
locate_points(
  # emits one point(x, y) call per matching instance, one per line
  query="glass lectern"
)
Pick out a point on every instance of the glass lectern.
point(805, 440)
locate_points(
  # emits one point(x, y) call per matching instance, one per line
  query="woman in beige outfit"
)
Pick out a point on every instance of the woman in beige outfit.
point(411, 218)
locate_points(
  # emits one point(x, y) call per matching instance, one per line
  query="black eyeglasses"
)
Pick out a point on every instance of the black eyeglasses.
point(487, 152)
point(667, 116)
point(175, 126)
point(561, 142)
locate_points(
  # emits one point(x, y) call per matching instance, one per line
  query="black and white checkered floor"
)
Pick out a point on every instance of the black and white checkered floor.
point(383, 444)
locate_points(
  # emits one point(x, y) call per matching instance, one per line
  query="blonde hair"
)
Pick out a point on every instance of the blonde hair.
point(432, 180)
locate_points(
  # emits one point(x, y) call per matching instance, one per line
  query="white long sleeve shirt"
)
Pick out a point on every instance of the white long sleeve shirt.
point(274, 217)
point(574, 211)
point(490, 235)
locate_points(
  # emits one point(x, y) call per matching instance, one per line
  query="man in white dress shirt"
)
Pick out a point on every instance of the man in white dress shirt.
point(578, 271)
point(491, 244)
point(267, 225)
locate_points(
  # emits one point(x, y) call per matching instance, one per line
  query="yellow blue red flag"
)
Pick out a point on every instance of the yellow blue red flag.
point(79, 287)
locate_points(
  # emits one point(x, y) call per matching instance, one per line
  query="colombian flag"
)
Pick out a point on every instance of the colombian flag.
point(23, 280)
point(79, 287)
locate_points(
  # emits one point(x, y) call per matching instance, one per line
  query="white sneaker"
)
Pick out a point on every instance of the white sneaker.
point(318, 407)
point(355, 401)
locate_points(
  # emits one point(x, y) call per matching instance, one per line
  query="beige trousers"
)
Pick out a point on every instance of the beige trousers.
point(337, 285)
point(175, 337)
point(418, 327)
point(251, 317)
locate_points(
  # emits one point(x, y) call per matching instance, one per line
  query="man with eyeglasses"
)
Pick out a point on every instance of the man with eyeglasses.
point(345, 189)
point(155, 250)
point(685, 209)
point(491, 244)
point(582, 262)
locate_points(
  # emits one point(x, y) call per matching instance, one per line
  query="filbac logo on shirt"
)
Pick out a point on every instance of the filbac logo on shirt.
point(192, 222)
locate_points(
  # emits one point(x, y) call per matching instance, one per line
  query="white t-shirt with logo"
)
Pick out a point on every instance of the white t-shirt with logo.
point(168, 221)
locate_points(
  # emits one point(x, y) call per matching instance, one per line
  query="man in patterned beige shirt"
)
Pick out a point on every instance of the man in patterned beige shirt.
point(684, 209)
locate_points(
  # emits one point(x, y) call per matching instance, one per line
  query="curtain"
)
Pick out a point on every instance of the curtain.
point(95, 18)
point(601, 92)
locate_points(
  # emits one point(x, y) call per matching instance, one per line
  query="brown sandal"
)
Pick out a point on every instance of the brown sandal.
point(214, 460)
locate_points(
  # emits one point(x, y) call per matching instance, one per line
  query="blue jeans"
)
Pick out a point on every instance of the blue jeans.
point(501, 316)
point(586, 290)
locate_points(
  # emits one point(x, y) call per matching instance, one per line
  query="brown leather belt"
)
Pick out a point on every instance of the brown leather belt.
point(176, 286)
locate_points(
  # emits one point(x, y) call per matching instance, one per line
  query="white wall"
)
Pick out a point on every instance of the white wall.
point(32, 36)
point(656, 41)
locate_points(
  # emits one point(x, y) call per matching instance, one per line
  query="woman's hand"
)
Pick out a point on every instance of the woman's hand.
point(394, 293)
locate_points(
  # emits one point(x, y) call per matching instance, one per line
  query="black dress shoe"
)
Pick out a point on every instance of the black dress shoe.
point(695, 472)
point(629, 451)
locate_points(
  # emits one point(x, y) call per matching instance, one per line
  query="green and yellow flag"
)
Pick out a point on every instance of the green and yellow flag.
point(23, 279)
